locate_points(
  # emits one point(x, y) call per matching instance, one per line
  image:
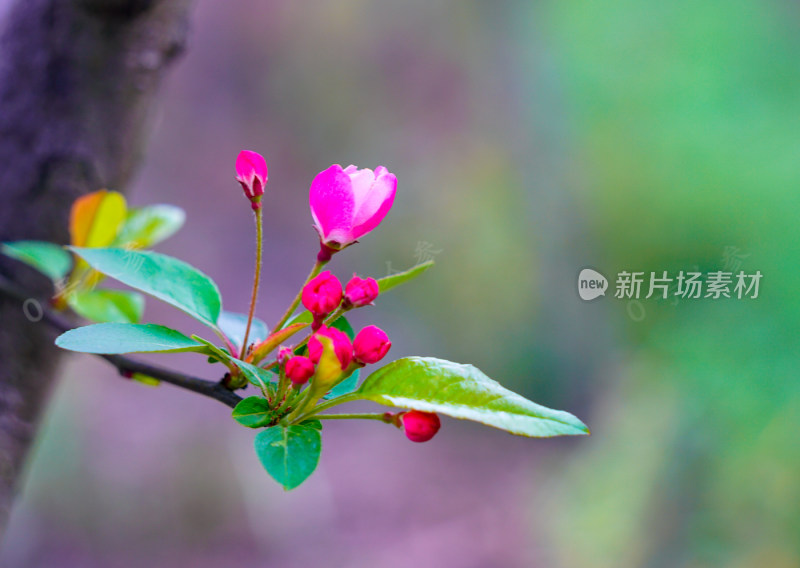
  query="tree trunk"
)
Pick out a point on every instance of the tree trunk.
point(77, 78)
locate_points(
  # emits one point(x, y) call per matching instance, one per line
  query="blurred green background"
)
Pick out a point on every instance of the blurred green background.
point(530, 139)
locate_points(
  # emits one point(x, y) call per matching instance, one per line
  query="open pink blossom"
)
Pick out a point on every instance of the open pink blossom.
point(347, 203)
point(252, 174)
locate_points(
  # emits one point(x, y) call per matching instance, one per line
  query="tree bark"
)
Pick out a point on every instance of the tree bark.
point(77, 78)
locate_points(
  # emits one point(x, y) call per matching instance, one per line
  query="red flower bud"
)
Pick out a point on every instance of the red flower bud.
point(252, 174)
point(361, 292)
point(299, 369)
point(420, 426)
point(341, 346)
point(371, 345)
point(322, 294)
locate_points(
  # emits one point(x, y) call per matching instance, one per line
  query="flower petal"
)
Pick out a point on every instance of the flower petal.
point(377, 203)
point(331, 201)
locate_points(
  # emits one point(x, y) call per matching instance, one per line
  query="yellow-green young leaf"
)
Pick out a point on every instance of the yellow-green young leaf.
point(146, 380)
point(463, 391)
point(253, 412)
point(107, 306)
point(289, 454)
point(95, 218)
point(150, 225)
point(115, 338)
point(161, 276)
point(328, 370)
point(49, 259)
point(388, 282)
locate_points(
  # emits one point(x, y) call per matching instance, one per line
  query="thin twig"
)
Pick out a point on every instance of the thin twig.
point(126, 366)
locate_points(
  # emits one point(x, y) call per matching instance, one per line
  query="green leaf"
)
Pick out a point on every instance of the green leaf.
point(110, 338)
point(313, 423)
point(150, 225)
point(49, 259)
point(388, 282)
point(342, 324)
point(161, 276)
point(254, 375)
point(117, 306)
point(463, 391)
point(233, 325)
point(253, 412)
point(289, 454)
point(345, 387)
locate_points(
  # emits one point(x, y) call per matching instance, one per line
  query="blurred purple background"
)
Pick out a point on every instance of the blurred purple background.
point(530, 139)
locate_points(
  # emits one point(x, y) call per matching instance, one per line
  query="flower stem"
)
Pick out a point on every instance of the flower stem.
point(365, 416)
point(256, 279)
point(317, 268)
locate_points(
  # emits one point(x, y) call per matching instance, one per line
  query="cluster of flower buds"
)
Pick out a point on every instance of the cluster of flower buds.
point(346, 204)
point(323, 295)
point(369, 346)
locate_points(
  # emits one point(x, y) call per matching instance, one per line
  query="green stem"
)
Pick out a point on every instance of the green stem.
point(317, 268)
point(365, 416)
point(256, 279)
point(297, 415)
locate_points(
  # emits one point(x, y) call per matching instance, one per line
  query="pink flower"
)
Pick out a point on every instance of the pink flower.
point(348, 203)
point(420, 426)
point(322, 294)
point(371, 345)
point(341, 346)
point(361, 292)
point(299, 369)
point(252, 174)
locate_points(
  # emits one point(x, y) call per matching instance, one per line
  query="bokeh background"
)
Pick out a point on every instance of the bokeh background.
point(530, 139)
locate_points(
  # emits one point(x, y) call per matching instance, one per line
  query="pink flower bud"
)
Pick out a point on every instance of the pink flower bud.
point(371, 345)
point(341, 346)
point(284, 353)
point(420, 426)
point(299, 369)
point(322, 294)
point(348, 203)
point(361, 292)
point(252, 174)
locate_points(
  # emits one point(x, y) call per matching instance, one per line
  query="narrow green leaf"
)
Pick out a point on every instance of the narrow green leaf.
point(340, 323)
point(463, 391)
point(150, 225)
point(233, 325)
point(112, 338)
point(388, 282)
point(253, 412)
point(289, 454)
point(112, 306)
point(161, 276)
point(49, 259)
